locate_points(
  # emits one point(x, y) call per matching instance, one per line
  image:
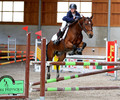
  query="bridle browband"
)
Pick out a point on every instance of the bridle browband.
point(83, 28)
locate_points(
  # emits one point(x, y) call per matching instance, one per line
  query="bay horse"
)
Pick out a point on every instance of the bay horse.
point(73, 40)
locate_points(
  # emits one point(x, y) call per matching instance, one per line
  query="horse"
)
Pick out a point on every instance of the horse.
point(73, 40)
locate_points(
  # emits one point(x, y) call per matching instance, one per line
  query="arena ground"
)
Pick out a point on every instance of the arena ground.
point(17, 71)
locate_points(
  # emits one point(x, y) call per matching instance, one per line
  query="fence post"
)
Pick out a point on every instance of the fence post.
point(42, 75)
point(27, 66)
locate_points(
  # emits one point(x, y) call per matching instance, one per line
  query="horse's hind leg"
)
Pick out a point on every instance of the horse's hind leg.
point(61, 58)
point(48, 72)
point(50, 54)
point(57, 71)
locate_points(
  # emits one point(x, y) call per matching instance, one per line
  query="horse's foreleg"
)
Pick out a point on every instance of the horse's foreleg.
point(73, 47)
point(81, 46)
point(70, 45)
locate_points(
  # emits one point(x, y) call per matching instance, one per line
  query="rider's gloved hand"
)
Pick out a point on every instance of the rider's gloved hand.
point(74, 17)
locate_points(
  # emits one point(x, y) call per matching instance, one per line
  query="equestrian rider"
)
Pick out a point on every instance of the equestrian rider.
point(72, 14)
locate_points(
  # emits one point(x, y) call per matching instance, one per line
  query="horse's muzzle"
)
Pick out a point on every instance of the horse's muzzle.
point(90, 35)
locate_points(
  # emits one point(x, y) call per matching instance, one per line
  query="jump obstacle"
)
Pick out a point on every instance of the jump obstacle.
point(14, 61)
point(111, 55)
point(18, 56)
point(26, 94)
point(42, 82)
point(81, 57)
point(42, 75)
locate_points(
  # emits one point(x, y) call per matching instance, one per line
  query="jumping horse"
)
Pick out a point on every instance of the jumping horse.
point(73, 40)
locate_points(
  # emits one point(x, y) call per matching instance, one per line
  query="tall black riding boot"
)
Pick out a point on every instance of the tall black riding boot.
point(56, 42)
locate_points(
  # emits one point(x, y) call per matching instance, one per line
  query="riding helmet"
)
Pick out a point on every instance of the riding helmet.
point(73, 6)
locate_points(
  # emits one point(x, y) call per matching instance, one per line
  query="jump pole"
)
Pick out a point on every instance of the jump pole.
point(76, 76)
point(43, 63)
point(77, 88)
point(15, 52)
point(10, 62)
point(21, 56)
point(79, 63)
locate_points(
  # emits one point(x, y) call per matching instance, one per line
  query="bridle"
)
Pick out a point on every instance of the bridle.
point(83, 28)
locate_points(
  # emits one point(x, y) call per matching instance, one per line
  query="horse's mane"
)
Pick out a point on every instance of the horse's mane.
point(72, 24)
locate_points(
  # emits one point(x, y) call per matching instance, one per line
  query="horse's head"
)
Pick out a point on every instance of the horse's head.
point(86, 24)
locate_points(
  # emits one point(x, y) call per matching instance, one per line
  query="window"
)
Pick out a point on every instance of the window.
point(84, 8)
point(11, 11)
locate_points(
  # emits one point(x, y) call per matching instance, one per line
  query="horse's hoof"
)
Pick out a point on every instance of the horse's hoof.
point(71, 53)
point(79, 53)
point(58, 76)
point(48, 76)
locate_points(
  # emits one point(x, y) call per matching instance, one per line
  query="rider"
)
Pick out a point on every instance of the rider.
point(72, 14)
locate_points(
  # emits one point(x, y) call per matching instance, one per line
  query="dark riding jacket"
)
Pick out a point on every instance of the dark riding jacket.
point(69, 17)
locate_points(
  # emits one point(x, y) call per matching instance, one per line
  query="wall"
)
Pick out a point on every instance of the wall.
point(15, 31)
point(31, 14)
point(115, 34)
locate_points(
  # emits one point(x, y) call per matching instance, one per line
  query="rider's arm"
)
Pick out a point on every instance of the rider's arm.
point(68, 18)
point(78, 15)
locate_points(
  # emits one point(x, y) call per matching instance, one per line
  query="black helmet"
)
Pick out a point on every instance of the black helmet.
point(73, 6)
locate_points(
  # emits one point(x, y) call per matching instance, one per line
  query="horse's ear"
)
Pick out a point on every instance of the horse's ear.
point(91, 17)
point(83, 17)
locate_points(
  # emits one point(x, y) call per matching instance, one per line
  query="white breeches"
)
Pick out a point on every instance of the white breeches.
point(64, 23)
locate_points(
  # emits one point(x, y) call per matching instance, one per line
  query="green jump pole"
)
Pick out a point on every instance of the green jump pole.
point(76, 76)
